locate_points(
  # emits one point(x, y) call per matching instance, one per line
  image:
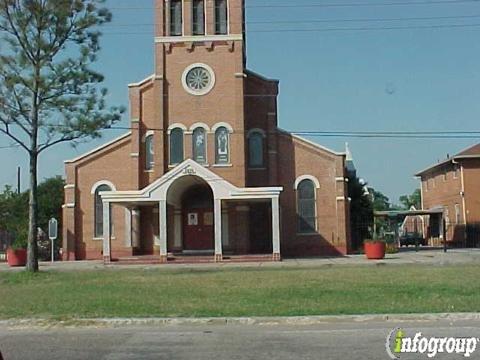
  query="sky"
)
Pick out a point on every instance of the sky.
point(419, 78)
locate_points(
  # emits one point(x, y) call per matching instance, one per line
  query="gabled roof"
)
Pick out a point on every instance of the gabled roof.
point(311, 143)
point(98, 149)
point(470, 152)
point(221, 188)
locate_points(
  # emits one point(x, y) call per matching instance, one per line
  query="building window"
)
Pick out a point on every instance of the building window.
point(255, 150)
point(457, 214)
point(222, 146)
point(176, 146)
point(149, 152)
point(221, 17)
point(176, 24)
point(198, 17)
point(306, 207)
point(98, 231)
point(199, 146)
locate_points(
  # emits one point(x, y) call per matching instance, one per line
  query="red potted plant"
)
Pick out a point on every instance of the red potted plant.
point(374, 248)
point(17, 252)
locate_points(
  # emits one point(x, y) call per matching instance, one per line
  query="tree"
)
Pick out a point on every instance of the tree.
point(361, 210)
point(13, 211)
point(380, 201)
point(49, 92)
point(50, 200)
point(415, 199)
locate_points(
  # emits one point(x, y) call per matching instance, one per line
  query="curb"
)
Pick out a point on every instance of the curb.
point(253, 321)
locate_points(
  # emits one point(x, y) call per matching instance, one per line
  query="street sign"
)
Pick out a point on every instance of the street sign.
point(53, 234)
point(53, 229)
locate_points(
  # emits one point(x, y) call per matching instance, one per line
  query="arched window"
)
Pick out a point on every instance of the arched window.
point(149, 152)
point(98, 231)
point(306, 207)
point(199, 145)
point(176, 146)
point(256, 150)
point(222, 144)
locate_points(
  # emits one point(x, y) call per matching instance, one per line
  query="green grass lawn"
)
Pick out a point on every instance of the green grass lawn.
point(240, 292)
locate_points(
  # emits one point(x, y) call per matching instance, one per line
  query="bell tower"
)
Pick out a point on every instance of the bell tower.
point(200, 73)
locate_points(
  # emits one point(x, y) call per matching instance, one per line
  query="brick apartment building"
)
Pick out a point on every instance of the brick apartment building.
point(205, 170)
point(454, 185)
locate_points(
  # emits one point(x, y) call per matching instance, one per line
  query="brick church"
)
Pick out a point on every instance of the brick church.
point(205, 170)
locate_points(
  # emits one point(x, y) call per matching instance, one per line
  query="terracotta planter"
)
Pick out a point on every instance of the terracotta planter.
point(16, 257)
point(374, 250)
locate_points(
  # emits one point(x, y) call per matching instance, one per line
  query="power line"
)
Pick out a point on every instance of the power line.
point(315, 21)
point(337, 29)
point(329, 5)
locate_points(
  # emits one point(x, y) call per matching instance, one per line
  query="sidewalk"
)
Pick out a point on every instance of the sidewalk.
point(40, 323)
point(406, 256)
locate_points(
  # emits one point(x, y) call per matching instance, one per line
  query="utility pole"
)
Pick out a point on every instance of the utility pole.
point(18, 180)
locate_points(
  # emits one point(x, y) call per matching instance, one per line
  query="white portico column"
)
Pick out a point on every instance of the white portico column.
point(107, 253)
point(162, 222)
point(217, 210)
point(276, 229)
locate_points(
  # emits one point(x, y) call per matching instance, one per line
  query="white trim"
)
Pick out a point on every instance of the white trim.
point(176, 125)
point(134, 154)
point(204, 91)
point(196, 38)
point(222, 124)
point(341, 178)
point(199, 125)
point(306, 177)
point(147, 134)
point(69, 186)
point(256, 130)
point(221, 188)
point(68, 206)
point(101, 147)
point(140, 83)
point(341, 198)
point(102, 182)
point(222, 165)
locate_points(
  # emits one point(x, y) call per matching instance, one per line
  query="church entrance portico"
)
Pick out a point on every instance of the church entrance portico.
point(197, 211)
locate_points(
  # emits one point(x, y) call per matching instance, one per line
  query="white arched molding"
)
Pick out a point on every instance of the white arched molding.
point(256, 130)
point(200, 125)
point(307, 177)
point(222, 124)
point(102, 182)
point(175, 126)
point(147, 134)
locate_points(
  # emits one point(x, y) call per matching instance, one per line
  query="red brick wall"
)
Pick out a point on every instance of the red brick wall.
point(241, 98)
point(472, 189)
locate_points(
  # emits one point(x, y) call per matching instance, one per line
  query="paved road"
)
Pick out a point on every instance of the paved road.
point(344, 340)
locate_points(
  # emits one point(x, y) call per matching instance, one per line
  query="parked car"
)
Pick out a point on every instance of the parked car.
point(412, 239)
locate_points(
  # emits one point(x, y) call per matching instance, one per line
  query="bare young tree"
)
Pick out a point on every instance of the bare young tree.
point(49, 92)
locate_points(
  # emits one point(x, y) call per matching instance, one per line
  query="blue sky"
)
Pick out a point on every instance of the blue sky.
point(389, 80)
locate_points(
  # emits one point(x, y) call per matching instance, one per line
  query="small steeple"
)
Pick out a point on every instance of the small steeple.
point(352, 171)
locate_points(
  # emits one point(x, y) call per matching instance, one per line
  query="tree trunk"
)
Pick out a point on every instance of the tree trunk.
point(32, 253)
